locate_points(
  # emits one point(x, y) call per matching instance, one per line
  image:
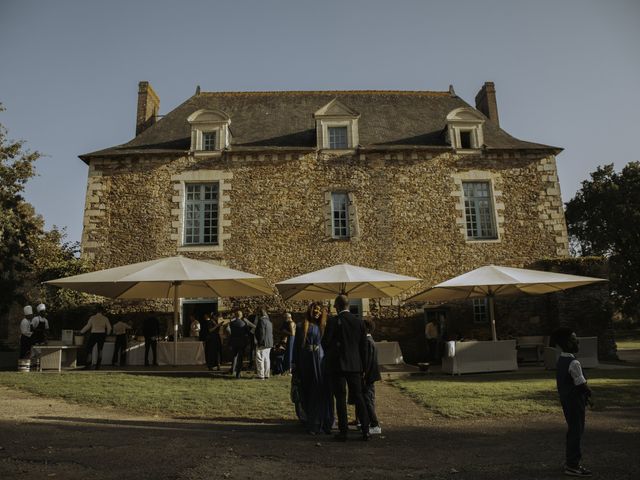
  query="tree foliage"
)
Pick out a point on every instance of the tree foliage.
point(28, 253)
point(604, 219)
point(17, 218)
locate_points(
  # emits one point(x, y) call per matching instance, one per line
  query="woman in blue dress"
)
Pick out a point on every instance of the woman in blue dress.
point(314, 406)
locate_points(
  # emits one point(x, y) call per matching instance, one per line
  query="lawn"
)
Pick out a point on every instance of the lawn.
point(628, 339)
point(631, 344)
point(196, 397)
point(467, 396)
point(515, 394)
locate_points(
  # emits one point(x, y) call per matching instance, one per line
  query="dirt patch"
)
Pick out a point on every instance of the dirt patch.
point(42, 438)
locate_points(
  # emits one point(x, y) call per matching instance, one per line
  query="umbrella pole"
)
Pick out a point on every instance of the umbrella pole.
point(493, 319)
point(176, 314)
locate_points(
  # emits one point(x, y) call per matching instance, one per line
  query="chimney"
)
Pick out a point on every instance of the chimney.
point(486, 102)
point(148, 107)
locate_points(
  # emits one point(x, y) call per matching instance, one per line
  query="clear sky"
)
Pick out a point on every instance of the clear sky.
point(567, 72)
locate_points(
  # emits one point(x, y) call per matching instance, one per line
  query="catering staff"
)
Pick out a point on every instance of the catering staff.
point(25, 332)
point(100, 328)
point(40, 325)
point(120, 331)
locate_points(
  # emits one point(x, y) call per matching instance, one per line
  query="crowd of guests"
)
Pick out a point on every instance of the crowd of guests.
point(326, 357)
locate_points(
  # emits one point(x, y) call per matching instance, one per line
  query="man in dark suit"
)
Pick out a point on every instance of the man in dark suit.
point(345, 346)
point(238, 330)
point(151, 332)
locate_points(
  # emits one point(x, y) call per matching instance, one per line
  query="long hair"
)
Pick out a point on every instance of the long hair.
point(322, 322)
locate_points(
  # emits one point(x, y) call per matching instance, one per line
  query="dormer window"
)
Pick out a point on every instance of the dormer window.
point(337, 127)
point(209, 131)
point(464, 130)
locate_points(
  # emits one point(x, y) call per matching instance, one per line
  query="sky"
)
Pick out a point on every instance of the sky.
point(567, 72)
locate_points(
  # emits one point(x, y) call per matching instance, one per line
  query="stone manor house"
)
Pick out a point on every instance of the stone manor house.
point(281, 183)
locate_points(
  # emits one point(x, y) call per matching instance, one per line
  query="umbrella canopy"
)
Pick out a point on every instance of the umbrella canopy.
point(172, 277)
point(355, 282)
point(159, 279)
point(492, 281)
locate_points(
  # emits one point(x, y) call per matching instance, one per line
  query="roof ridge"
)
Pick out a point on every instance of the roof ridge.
point(329, 92)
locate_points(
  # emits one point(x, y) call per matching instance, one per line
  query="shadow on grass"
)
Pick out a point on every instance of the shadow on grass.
point(235, 424)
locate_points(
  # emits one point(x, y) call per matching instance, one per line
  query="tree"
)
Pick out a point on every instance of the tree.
point(18, 221)
point(604, 219)
point(28, 253)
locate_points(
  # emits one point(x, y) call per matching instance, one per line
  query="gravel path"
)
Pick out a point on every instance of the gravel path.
point(42, 438)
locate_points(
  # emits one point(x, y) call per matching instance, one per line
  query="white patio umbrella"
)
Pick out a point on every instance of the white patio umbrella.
point(355, 282)
point(494, 281)
point(172, 277)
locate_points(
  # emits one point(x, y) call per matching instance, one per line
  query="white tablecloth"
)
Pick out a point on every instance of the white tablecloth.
point(56, 356)
point(189, 353)
point(389, 353)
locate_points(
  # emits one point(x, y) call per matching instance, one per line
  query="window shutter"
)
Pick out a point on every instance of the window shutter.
point(354, 227)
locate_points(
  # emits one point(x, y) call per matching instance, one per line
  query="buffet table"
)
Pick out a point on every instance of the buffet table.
point(54, 357)
point(389, 353)
point(189, 353)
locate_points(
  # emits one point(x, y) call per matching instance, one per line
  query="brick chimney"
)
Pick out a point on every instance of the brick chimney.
point(486, 102)
point(148, 107)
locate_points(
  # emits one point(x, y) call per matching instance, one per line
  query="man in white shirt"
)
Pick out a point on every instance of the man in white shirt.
point(40, 325)
point(431, 335)
point(100, 327)
point(25, 332)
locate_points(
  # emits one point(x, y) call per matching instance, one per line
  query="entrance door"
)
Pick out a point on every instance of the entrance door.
point(197, 309)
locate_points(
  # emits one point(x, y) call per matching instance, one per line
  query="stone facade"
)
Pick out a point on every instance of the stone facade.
point(407, 206)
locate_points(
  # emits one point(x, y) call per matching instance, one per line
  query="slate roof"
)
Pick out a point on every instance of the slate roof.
point(266, 120)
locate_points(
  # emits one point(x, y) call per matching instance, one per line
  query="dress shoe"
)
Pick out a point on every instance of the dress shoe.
point(366, 436)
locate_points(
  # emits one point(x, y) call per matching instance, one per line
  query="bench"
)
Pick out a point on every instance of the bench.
point(475, 357)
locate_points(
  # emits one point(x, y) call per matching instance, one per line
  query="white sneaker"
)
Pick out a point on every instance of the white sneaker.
point(375, 430)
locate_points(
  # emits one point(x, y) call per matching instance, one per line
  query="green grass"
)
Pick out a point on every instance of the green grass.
point(196, 397)
point(512, 395)
point(484, 395)
point(628, 344)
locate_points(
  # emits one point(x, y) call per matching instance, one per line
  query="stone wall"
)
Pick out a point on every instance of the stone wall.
point(410, 216)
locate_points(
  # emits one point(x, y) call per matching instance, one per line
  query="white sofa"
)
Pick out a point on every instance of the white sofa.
point(475, 357)
point(531, 348)
point(588, 354)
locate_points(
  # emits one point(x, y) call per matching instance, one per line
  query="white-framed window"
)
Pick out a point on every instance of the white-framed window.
point(464, 130)
point(209, 131)
point(479, 211)
point(337, 126)
point(480, 310)
point(209, 141)
point(201, 204)
point(338, 137)
point(340, 215)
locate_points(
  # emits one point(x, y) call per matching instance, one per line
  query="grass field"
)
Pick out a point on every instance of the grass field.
point(515, 394)
point(628, 344)
point(207, 398)
point(496, 395)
